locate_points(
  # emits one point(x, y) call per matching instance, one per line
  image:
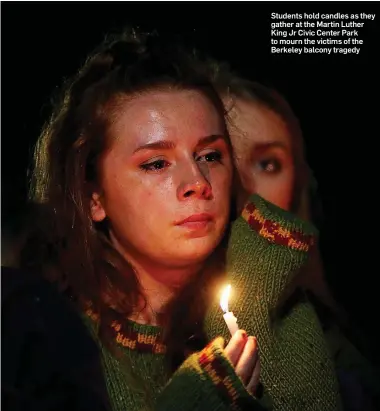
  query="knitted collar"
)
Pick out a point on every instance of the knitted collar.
point(141, 338)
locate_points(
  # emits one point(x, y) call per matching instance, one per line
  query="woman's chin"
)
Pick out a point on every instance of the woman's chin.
point(197, 250)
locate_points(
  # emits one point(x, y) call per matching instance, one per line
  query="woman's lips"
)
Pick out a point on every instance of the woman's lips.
point(196, 221)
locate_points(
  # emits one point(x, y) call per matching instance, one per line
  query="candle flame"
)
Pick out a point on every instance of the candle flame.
point(224, 298)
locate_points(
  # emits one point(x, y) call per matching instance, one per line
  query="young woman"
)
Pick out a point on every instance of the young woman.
point(133, 180)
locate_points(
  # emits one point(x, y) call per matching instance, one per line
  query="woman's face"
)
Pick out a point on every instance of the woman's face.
point(165, 181)
point(262, 146)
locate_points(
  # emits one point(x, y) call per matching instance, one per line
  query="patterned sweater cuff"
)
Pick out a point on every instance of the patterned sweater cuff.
point(219, 371)
point(206, 381)
point(278, 226)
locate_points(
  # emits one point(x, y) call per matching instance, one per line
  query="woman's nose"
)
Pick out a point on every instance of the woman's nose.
point(195, 185)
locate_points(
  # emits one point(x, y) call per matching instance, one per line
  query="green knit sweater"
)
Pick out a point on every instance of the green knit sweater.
point(267, 247)
point(137, 379)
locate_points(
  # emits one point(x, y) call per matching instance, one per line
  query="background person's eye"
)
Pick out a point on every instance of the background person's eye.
point(156, 165)
point(269, 165)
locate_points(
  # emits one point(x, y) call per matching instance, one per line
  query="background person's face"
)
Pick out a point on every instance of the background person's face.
point(168, 161)
point(262, 147)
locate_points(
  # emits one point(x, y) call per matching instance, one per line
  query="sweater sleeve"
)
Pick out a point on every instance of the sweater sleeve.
point(206, 381)
point(267, 247)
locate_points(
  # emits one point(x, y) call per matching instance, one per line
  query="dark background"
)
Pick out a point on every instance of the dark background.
point(336, 98)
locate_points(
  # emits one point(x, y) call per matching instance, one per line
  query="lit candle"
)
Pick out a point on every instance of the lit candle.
point(228, 316)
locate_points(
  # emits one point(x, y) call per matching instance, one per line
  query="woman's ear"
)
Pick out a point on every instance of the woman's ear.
point(98, 212)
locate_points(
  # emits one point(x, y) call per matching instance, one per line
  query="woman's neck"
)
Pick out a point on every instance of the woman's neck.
point(158, 283)
point(159, 286)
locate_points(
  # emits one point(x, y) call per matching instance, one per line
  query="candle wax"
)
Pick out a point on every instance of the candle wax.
point(231, 322)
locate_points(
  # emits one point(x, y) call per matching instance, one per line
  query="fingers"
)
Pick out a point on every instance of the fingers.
point(243, 353)
point(235, 347)
point(247, 361)
point(255, 379)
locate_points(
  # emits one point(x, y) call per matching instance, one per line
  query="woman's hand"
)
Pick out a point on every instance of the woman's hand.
point(242, 351)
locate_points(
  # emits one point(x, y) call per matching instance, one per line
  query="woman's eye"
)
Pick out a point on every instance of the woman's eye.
point(156, 165)
point(270, 165)
point(210, 157)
